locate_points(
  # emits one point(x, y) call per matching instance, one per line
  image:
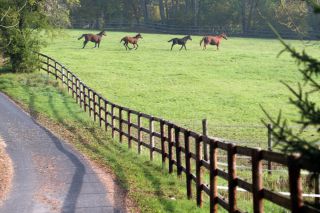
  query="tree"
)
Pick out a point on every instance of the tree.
point(22, 25)
point(305, 97)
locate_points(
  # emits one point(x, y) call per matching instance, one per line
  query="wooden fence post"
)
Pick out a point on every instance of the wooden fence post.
point(198, 170)
point(188, 168)
point(269, 147)
point(295, 184)
point(68, 80)
point(163, 146)
point(232, 178)
point(205, 133)
point(151, 129)
point(213, 177)
point(94, 107)
point(55, 70)
point(72, 86)
point(112, 120)
point(120, 125)
point(257, 181)
point(105, 115)
point(178, 150)
point(99, 107)
point(139, 133)
point(84, 98)
point(170, 152)
point(129, 130)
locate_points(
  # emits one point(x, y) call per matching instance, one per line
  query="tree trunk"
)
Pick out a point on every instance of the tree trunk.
point(162, 15)
point(145, 10)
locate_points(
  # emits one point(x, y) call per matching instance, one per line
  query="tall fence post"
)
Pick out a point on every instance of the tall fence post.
point(213, 177)
point(205, 133)
point(198, 170)
point(112, 120)
point(232, 178)
point(105, 115)
point(170, 151)
point(129, 130)
point(151, 129)
point(269, 147)
point(295, 184)
point(257, 178)
point(188, 166)
point(120, 125)
point(163, 145)
point(139, 133)
point(100, 118)
point(178, 150)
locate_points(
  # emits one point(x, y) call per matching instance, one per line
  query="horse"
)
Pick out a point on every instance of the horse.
point(93, 38)
point(213, 40)
point(180, 41)
point(132, 40)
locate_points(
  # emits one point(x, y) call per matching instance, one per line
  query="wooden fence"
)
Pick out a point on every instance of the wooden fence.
point(182, 149)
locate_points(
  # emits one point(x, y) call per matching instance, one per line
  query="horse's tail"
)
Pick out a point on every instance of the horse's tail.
point(171, 40)
point(202, 41)
point(122, 39)
point(81, 36)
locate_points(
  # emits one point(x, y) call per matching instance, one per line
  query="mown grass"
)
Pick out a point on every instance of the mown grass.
point(228, 87)
point(148, 184)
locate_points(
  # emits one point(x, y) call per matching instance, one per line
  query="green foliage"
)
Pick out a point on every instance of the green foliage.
point(22, 26)
point(305, 99)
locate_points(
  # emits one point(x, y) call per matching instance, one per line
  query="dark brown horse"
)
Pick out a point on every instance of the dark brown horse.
point(132, 40)
point(180, 41)
point(213, 40)
point(93, 38)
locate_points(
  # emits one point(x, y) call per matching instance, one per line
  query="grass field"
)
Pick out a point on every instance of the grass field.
point(227, 87)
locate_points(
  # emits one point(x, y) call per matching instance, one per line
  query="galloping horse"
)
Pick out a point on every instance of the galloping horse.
point(93, 38)
point(132, 40)
point(180, 41)
point(213, 40)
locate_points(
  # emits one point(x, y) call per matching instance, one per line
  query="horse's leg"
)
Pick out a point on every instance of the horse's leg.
point(181, 47)
point(95, 44)
point(124, 44)
point(217, 47)
point(84, 44)
point(98, 44)
point(137, 46)
point(172, 46)
point(185, 47)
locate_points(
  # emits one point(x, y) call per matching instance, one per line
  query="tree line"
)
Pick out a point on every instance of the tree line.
point(245, 15)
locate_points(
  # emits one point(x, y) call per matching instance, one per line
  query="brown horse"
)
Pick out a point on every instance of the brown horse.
point(93, 38)
point(213, 40)
point(132, 40)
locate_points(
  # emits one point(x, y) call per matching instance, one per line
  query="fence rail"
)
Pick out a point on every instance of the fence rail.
point(200, 30)
point(183, 149)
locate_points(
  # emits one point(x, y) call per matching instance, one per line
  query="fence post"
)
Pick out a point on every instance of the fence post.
point(120, 124)
point(89, 96)
point(68, 80)
point(112, 120)
point(198, 170)
point(188, 168)
point(100, 118)
point(48, 68)
point(129, 130)
point(269, 147)
point(178, 150)
point(151, 129)
point(84, 98)
point(55, 70)
point(213, 177)
point(295, 184)
point(105, 115)
point(170, 139)
point(139, 133)
point(94, 107)
point(232, 177)
point(163, 146)
point(257, 178)
point(205, 133)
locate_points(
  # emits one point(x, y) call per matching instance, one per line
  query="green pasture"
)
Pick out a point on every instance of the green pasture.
point(227, 87)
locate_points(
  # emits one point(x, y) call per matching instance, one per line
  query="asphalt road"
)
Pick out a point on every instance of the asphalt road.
point(49, 176)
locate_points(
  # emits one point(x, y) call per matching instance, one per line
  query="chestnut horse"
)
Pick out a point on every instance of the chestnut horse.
point(132, 40)
point(93, 38)
point(213, 40)
point(180, 41)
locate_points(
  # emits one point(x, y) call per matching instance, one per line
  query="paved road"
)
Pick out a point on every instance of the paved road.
point(49, 176)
